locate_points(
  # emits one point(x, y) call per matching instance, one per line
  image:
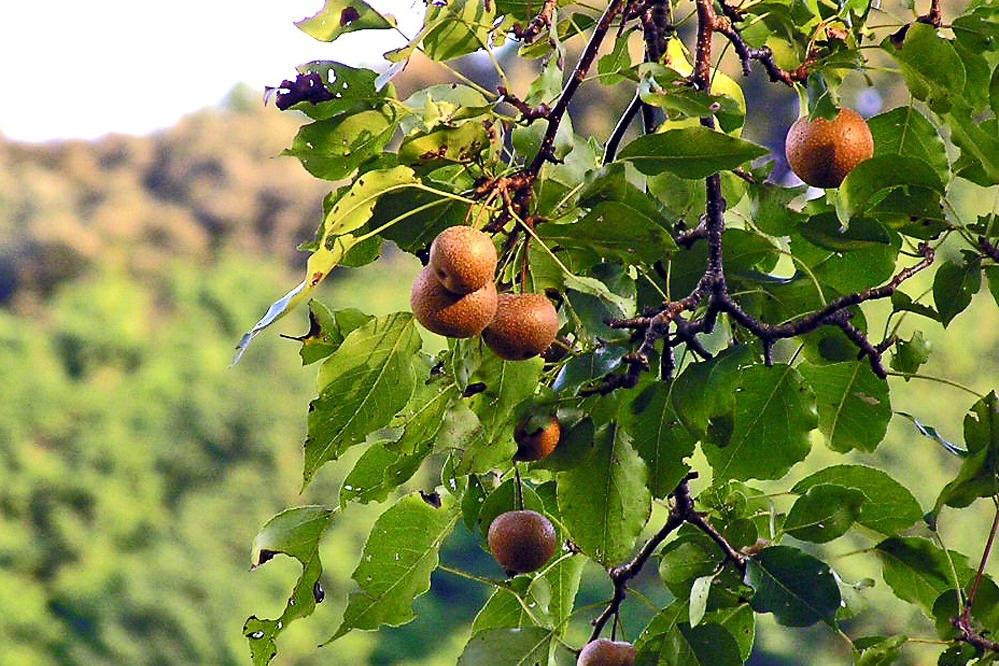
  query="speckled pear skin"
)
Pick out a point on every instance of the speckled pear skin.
point(522, 541)
point(525, 325)
point(539, 444)
point(603, 652)
point(463, 259)
point(448, 314)
point(822, 152)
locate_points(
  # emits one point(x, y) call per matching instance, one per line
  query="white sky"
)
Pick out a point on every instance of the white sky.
point(72, 68)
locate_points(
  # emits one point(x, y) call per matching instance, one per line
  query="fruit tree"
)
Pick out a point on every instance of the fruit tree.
point(619, 308)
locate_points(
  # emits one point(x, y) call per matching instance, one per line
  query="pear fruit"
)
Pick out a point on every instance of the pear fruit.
point(537, 443)
point(822, 152)
point(525, 326)
point(603, 652)
point(463, 259)
point(522, 541)
point(448, 314)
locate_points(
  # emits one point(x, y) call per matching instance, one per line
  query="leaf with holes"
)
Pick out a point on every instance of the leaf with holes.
point(296, 533)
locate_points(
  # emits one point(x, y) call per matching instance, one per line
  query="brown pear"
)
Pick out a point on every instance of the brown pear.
point(463, 259)
point(603, 652)
point(822, 152)
point(522, 541)
point(525, 325)
point(448, 314)
point(536, 444)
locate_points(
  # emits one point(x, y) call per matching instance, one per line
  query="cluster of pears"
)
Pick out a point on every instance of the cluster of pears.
point(455, 296)
point(822, 152)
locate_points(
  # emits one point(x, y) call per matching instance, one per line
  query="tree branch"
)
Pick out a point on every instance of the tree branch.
point(682, 512)
point(614, 140)
point(963, 622)
point(990, 250)
point(547, 150)
point(726, 26)
point(537, 24)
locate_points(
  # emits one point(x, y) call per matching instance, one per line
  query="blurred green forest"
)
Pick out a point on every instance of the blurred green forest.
point(136, 466)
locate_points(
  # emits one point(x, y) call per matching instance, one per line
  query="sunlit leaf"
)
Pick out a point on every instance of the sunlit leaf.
point(338, 17)
point(398, 558)
point(296, 533)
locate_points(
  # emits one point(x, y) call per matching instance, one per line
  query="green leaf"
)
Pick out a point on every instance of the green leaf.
point(889, 509)
point(797, 588)
point(594, 287)
point(932, 68)
point(420, 217)
point(704, 645)
point(984, 612)
point(604, 502)
point(327, 330)
point(611, 65)
point(333, 149)
point(770, 211)
point(366, 481)
point(508, 607)
point(773, 416)
point(910, 355)
point(706, 391)
point(582, 368)
point(384, 466)
point(738, 620)
point(503, 499)
point(824, 513)
point(395, 567)
point(918, 571)
point(659, 437)
point(881, 173)
point(363, 385)
point(902, 302)
point(296, 533)
point(508, 647)
point(422, 419)
point(977, 139)
point(451, 30)
point(881, 652)
point(930, 432)
point(825, 231)
point(906, 131)
point(691, 152)
point(690, 556)
point(699, 593)
point(669, 90)
point(351, 212)
point(979, 474)
point(507, 383)
point(611, 183)
point(992, 275)
point(352, 89)
point(450, 144)
point(614, 230)
point(338, 17)
point(953, 287)
point(854, 404)
point(563, 578)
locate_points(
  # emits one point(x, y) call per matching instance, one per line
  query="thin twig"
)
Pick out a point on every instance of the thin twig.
point(547, 150)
